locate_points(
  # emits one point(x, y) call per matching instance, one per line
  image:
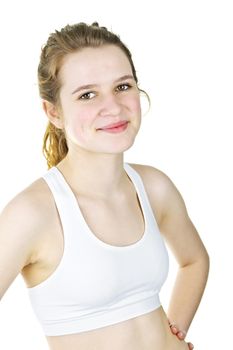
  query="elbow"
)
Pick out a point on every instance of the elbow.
point(207, 262)
point(206, 259)
point(204, 264)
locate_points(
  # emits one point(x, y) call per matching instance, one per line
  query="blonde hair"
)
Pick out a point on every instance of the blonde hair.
point(69, 39)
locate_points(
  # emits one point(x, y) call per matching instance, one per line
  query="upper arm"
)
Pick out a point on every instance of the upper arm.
point(175, 224)
point(17, 238)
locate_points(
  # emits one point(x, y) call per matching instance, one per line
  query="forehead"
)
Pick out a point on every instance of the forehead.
point(94, 65)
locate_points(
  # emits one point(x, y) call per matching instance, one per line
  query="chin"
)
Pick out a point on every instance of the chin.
point(114, 148)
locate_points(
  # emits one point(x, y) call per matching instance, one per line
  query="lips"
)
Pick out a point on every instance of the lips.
point(114, 125)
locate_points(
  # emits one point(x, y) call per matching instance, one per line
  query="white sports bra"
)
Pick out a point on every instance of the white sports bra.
point(97, 284)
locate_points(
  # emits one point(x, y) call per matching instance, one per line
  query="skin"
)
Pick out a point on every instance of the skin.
point(86, 109)
point(92, 151)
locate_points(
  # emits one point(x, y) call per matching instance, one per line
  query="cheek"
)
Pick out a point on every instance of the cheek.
point(79, 122)
point(77, 115)
point(134, 104)
point(137, 105)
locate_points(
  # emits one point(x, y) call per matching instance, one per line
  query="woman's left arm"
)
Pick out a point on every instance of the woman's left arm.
point(190, 253)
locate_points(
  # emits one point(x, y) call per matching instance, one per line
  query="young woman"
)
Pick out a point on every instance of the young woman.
point(88, 236)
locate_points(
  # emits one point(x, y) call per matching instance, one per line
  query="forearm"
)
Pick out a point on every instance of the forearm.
point(187, 293)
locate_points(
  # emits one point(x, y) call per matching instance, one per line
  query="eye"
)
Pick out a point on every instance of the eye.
point(123, 87)
point(87, 96)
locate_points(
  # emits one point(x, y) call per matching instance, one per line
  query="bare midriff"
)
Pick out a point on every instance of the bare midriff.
point(146, 332)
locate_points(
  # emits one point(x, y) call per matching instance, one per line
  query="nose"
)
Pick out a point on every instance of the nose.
point(110, 105)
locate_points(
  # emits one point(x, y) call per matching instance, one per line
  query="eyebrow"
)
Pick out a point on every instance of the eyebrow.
point(91, 86)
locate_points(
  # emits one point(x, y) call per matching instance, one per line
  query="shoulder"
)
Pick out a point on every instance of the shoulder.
point(154, 179)
point(25, 215)
point(162, 192)
point(31, 201)
point(152, 175)
point(22, 230)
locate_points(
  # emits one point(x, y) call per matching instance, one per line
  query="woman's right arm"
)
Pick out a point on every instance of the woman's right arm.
point(18, 238)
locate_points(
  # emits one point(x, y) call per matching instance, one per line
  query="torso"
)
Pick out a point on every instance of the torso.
point(146, 332)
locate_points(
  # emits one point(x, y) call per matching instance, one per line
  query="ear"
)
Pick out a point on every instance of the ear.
point(53, 114)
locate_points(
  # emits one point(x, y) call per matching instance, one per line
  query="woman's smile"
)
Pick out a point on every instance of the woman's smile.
point(115, 129)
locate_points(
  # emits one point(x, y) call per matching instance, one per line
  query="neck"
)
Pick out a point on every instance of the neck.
point(98, 175)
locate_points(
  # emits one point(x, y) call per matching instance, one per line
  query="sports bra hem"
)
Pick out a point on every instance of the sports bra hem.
point(109, 318)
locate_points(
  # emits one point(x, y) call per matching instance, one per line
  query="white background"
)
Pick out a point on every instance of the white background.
point(183, 54)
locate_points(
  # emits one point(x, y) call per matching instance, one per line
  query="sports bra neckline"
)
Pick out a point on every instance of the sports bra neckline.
point(130, 173)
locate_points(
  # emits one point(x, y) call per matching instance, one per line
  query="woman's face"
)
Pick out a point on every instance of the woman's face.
point(98, 89)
